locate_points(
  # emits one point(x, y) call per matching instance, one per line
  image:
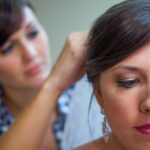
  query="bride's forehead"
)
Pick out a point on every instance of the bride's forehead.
point(142, 53)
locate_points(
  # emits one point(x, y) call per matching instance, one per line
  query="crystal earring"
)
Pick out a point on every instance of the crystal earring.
point(105, 128)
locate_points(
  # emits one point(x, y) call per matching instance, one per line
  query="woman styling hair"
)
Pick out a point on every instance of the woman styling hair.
point(29, 92)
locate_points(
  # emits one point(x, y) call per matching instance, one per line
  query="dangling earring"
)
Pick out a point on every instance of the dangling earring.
point(105, 128)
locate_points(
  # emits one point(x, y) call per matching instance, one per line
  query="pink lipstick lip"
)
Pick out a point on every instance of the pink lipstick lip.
point(144, 129)
point(33, 70)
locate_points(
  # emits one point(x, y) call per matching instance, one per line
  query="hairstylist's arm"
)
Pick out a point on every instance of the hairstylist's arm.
point(30, 127)
point(70, 66)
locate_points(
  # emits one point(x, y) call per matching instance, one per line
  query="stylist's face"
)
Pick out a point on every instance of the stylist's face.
point(125, 96)
point(24, 58)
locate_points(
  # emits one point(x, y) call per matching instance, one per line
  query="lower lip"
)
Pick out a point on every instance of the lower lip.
point(144, 130)
point(34, 71)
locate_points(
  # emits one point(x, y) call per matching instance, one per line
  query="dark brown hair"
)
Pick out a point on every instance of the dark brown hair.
point(11, 16)
point(115, 35)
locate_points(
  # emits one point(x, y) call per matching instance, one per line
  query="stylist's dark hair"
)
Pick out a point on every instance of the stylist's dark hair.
point(118, 33)
point(11, 16)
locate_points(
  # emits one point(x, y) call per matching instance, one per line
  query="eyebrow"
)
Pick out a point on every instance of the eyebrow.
point(126, 67)
point(29, 25)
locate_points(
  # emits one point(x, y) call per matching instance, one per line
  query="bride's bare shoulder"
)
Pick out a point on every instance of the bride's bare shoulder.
point(94, 145)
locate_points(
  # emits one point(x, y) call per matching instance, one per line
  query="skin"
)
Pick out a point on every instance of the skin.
point(124, 93)
point(30, 96)
point(25, 49)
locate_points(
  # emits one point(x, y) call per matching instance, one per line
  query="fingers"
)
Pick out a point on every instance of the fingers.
point(70, 65)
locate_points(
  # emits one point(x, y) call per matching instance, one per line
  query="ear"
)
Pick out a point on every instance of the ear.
point(97, 92)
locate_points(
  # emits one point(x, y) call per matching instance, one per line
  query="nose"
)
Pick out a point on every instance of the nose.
point(29, 50)
point(145, 106)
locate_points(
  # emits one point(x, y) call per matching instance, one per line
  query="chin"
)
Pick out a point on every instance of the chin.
point(139, 146)
point(36, 83)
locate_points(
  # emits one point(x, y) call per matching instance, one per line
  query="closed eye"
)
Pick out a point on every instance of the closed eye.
point(128, 83)
point(33, 34)
point(7, 49)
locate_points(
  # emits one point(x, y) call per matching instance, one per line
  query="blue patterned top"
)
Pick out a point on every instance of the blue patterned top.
point(6, 119)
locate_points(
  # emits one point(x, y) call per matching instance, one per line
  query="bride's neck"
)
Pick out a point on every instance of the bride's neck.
point(114, 143)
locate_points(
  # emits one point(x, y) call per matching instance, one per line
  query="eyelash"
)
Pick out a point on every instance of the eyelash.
point(7, 50)
point(128, 83)
point(33, 34)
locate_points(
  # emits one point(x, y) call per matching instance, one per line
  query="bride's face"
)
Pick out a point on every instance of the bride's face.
point(124, 93)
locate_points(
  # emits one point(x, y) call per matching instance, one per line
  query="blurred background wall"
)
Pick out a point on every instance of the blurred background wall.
point(60, 17)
